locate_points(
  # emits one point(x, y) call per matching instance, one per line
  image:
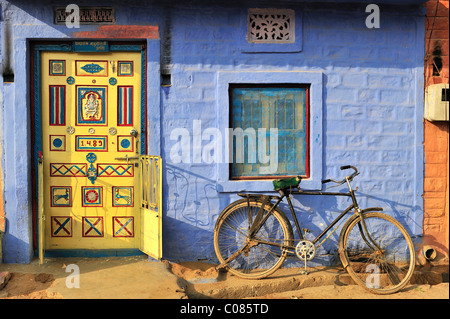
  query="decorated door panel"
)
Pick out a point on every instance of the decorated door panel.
point(91, 118)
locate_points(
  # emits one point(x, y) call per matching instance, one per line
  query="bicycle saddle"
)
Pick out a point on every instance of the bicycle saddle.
point(284, 183)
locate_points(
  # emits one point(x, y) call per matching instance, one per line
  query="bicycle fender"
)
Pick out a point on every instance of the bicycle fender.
point(371, 209)
point(341, 236)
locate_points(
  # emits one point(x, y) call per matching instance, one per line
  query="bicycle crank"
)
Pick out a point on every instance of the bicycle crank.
point(305, 250)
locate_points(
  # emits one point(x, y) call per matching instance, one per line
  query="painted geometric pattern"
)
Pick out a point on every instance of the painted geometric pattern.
point(57, 67)
point(125, 105)
point(123, 196)
point(125, 68)
point(123, 226)
point(91, 68)
point(115, 170)
point(92, 226)
point(125, 143)
point(57, 142)
point(61, 226)
point(61, 196)
point(67, 169)
point(57, 105)
point(92, 196)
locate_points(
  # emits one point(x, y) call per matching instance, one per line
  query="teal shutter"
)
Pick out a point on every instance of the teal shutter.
point(256, 108)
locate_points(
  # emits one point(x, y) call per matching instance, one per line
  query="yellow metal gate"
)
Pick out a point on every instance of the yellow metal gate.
point(151, 210)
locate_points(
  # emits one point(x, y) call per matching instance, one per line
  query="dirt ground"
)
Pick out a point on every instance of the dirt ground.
point(322, 284)
point(99, 278)
point(193, 280)
point(29, 286)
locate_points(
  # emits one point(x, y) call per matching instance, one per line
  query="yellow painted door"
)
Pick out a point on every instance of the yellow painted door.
point(91, 116)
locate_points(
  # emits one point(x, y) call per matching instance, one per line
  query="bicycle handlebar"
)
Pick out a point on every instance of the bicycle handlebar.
point(350, 177)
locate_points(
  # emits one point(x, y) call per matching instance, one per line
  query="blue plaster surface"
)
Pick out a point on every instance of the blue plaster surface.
point(368, 109)
point(369, 114)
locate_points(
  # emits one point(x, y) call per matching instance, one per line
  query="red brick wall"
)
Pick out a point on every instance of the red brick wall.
point(121, 32)
point(436, 134)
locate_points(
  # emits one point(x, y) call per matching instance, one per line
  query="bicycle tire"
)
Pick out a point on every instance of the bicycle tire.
point(231, 234)
point(384, 271)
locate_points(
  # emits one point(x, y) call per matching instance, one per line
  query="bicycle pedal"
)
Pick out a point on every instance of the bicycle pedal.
point(222, 267)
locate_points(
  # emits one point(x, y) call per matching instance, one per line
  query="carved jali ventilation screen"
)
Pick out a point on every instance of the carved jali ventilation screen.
point(271, 26)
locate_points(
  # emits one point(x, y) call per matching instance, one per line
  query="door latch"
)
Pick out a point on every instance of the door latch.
point(126, 158)
point(134, 133)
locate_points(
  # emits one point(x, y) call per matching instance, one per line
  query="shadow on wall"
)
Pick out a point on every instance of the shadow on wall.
point(402, 212)
point(190, 212)
point(13, 248)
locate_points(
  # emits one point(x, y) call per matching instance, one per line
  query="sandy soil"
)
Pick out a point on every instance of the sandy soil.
point(440, 291)
point(29, 286)
point(200, 278)
point(99, 278)
point(194, 270)
point(196, 280)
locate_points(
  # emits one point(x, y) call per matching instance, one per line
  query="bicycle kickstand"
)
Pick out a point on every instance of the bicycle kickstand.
point(305, 271)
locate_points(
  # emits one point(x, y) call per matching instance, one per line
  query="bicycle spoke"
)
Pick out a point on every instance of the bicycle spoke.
point(250, 257)
point(383, 270)
point(392, 271)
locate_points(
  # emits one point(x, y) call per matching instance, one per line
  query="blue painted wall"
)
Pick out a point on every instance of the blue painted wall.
point(371, 113)
point(367, 105)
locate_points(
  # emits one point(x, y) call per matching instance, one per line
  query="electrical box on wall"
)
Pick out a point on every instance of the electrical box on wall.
point(436, 102)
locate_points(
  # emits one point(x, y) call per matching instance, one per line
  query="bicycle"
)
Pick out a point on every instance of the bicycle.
point(253, 237)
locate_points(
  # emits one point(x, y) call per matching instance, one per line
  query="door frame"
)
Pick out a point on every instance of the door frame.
point(36, 48)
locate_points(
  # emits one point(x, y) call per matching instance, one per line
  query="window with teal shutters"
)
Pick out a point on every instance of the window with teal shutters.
point(257, 110)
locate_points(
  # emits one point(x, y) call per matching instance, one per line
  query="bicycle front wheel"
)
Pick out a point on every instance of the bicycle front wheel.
point(256, 257)
point(382, 262)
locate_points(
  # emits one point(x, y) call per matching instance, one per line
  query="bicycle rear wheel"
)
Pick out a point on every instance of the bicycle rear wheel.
point(384, 269)
point(231, 235)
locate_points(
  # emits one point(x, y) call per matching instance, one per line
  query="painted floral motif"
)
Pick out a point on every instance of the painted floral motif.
point(112, 81)
point(70, 80)
point(92, 196)
point(70, 130)
point(270, 25)
point(92, 68)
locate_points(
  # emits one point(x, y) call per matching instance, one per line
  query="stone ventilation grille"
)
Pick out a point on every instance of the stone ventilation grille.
point(270, 26)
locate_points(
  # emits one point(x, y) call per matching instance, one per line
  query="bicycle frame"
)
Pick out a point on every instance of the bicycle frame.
point(354, 205)
point(260, 219)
